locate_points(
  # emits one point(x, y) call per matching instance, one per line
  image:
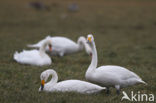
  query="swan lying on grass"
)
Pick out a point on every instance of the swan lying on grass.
point(35, 57)
point(67, 85)
point(109, 75)
point(62, 45)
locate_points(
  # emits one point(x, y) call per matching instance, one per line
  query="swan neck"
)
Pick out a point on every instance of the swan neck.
point(81, 43)
point(94, 60)
point(54, 78)
point(43, 48)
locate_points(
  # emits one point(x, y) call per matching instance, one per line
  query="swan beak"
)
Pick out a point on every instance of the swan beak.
point(42, 84)
point(89, 39)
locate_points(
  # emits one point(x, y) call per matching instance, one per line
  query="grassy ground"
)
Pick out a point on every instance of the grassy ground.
point(124, 33)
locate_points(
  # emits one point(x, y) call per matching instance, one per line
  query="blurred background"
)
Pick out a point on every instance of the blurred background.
point(124, 31)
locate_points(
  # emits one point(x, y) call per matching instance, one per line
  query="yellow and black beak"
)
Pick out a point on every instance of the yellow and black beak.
point(42, 84)
point(89, 39)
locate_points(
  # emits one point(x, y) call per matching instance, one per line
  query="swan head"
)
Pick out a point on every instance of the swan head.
point(90, 39)
point(44, 77)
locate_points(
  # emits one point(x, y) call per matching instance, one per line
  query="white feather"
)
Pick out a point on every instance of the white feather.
point(67, 85)
point(109, 75)
point(63, 45)
point(34, 57)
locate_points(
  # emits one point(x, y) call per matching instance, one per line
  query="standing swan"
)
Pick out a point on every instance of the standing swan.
point(63, 45)
point(109, 76)
point(35, 57)
point(67, 85)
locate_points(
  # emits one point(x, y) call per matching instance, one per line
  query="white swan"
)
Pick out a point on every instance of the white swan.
point(62, 45)
point(35, 57)
point(109, 75)
point(67, 85)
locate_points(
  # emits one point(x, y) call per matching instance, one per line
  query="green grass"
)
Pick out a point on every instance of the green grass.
point(124, 33)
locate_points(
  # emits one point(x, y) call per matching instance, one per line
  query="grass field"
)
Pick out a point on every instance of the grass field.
point(125, 35)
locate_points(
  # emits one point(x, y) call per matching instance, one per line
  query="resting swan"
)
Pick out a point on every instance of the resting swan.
point(67, 85)
point(63, 45)
point(35, 57)
point(109, 75)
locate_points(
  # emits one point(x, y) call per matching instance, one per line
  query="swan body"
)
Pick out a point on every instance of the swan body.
point(109, 75)
point(34, 57)
point(67, 85)
point(63, 45)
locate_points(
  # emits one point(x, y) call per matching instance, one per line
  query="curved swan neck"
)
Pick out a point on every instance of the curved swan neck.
point(81, 43)
point(54, 76)
point(94, 60)
point(43, 47)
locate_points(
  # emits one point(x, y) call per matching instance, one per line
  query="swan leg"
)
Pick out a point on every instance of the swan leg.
point(107, 90)
point(117, 89)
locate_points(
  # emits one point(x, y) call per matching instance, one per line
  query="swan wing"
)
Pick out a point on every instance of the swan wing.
point(117, 74)
point(26, 57)
point(57, 41)
point(121, 72)
point(31, 57)
point(77, 86)
point(59, 45)
point(63, 43)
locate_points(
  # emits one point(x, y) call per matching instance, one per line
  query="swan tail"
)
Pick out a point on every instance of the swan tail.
point(103, 88)
point(16, 56)
point(38, 45)
point(141, 81)
point(48, 37)
point(32, 46)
